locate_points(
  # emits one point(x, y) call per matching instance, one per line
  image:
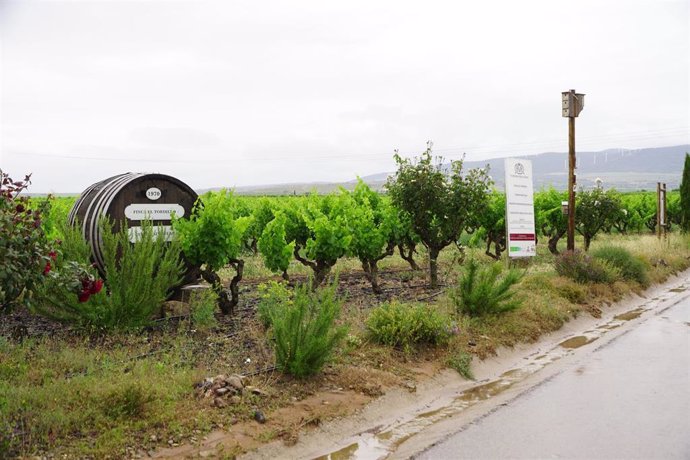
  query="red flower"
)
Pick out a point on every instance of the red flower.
point(47, 268)
point(20, 208)
point(84, 296)
point(96, 287)
point(52, 255)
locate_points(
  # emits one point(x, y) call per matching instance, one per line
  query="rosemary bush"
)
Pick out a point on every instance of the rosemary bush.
point(138, 278)
point(304, 329)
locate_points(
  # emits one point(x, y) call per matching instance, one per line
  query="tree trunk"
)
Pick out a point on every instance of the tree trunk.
point(224, 302)
point(408, 257)
point(321, 273)
point(285, 275)
point(588, 240)
point(238, 265)
point(371, 272)
point(553, 242)
point(488, 249)
point(433, 267)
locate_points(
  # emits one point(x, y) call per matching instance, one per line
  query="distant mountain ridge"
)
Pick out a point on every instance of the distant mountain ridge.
point(622, 169)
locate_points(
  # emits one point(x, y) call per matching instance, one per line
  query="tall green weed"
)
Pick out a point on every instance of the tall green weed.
point(138, 278)
point(405, 325)
point(484, 290)
point(304, 329)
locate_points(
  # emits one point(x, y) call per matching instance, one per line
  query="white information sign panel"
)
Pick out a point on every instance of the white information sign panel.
point(521, 236)
point(158, 211)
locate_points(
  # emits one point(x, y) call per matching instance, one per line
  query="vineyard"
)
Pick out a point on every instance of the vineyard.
point(299, 297)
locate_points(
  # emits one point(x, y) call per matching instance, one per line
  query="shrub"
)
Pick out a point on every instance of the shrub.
point(304, 330)
point(582, 268)
point(202, 306)
point(25, 256)
point(272, 295)
point(404, 325)
point(483, 290)
point(138, 278)
point(462, 363)
point(629, 266)
point(130, 401)
point(570, 291)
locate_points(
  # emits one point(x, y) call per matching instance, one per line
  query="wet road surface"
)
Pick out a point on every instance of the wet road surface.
point(628, 399)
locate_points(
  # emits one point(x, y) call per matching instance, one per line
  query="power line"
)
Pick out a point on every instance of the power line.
point(493, 150)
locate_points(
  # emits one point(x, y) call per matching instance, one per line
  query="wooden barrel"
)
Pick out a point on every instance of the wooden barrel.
point(130, 198)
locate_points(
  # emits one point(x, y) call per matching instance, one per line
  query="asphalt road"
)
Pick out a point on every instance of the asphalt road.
point(628, 399)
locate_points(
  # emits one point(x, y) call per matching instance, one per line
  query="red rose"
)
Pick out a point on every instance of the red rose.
point(96, 287)
point(84, 296)
point(47, 268)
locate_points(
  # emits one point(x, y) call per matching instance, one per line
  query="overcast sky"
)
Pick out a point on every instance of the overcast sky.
point(230, 93)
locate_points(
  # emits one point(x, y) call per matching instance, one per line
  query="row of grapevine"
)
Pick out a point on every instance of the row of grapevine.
point(425, 204)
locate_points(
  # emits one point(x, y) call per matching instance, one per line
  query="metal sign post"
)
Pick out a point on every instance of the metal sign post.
point(572, 105)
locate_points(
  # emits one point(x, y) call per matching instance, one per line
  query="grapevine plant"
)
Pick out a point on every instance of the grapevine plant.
point(213, 237)
point(372, 222)
point(320, 233)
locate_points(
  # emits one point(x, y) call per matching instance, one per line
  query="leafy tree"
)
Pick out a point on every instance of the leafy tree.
point(320, 233)
point(440, 203)
point(645, 212)
point(594, 210)
point(372, 222)
point(685, 196)
point(549, 216)
point(493, 221)
point(25, 255)
point(213, 236)
point(673, 209)
point(274, 248)
point(406, 239)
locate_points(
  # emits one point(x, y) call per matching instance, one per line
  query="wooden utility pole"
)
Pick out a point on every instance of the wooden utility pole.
point(571, 184)
point(660, 209)
point(572, 104)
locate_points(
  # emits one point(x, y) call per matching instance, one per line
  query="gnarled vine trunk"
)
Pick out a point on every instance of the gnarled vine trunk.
point(320, 268)
point(407, 252)
point(226, 303)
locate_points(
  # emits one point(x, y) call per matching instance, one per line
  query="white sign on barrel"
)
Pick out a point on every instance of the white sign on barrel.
point(521, 236)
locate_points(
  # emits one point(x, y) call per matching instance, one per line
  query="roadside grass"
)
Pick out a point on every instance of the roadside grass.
point(96, 396)
point(99, 398)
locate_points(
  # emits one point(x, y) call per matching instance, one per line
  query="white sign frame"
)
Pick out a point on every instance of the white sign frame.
point(153, 211)
point(521, 236)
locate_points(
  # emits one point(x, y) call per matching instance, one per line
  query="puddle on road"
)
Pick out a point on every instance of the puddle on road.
point(629, 315)
point(380, 444)
point(342, 454)
point(577, 342)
